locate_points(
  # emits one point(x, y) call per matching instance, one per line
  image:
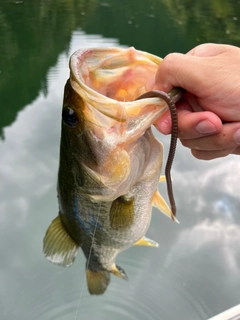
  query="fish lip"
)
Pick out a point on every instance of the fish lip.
point(78, 57)
point(110, 107)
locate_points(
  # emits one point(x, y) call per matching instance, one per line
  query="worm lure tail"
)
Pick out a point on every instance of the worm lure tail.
point(173, 143)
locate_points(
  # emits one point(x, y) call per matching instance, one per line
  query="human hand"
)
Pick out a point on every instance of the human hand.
point(210, 75)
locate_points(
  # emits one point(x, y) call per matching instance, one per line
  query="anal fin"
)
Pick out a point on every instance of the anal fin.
point(58, 246)
point(144, 241)
point(119, 272)
point(162, 178)
point(162, 205)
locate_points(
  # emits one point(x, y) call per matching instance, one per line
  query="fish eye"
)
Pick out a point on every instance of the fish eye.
point(69, 117)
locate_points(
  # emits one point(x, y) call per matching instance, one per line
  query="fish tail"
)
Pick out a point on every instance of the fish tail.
point(97, 281)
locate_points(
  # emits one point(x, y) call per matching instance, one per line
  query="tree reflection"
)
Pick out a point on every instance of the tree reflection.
point(32, 34)
point(209, 21)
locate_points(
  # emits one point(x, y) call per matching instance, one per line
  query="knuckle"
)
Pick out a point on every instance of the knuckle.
point(186, 143)
point(210, 155)
point(217, 140)
point(169, 60)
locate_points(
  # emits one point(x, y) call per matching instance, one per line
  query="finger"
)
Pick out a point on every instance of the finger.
point(193, 102)
point(236, 151)
point(191, 125)
point(210, 155)
point(208, 49)
point(179, 70)
point(225, 139)
point(164, 123)
point(190, 71)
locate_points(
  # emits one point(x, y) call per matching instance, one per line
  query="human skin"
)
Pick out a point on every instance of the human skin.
point(209, 112)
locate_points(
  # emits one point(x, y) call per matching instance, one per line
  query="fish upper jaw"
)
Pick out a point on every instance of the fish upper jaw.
point(108, 80)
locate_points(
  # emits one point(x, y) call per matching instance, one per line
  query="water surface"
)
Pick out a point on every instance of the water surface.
point(195, 272)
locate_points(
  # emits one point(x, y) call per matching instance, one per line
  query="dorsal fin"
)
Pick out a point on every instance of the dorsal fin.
point(58, 246)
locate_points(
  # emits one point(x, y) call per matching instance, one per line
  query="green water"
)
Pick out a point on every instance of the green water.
point(195, 272)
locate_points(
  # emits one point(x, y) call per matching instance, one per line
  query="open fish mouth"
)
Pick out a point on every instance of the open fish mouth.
point(110, 79)
point(116, 73)
point(112, 84)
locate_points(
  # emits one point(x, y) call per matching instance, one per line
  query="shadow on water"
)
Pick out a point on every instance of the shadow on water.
point(194, 274)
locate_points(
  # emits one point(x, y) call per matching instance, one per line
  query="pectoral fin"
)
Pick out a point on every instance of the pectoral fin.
point(161, 204)
point(122, 213)
point(97, 281)
point(144, 241)
point(58, 246)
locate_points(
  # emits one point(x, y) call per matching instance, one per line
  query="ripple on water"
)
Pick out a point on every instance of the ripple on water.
point(154, 291)
point(166, 291)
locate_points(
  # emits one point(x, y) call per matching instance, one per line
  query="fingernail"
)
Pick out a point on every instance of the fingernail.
point(236, 136)
point(205, 127)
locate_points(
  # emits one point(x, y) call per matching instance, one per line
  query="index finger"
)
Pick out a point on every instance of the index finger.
point(181, 70)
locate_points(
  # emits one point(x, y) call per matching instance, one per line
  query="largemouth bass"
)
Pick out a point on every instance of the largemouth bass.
point(110, 162)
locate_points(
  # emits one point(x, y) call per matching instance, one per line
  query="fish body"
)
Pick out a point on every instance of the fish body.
point(110, 162)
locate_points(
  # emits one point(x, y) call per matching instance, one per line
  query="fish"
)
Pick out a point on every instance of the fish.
point(110, 161)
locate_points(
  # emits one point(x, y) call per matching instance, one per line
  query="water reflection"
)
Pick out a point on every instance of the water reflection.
point(220, 235)
point(194, 274)
point(222, 22)
point(29, 164)
point(32, 33)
